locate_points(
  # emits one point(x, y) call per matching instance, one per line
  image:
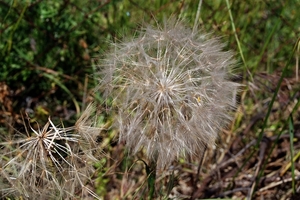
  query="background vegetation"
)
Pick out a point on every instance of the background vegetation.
point(47, 62)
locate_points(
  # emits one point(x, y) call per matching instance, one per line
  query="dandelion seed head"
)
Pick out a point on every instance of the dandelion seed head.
point(53, 162)
point(171, 88)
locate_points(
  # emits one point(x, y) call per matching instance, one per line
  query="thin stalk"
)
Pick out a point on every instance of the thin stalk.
point(291, 132)
point(198, 172)
point(260, 136)
point(297, 61)
point(151, 172)
point(275, 142)
point(266, 43)
point(197, 16)
point(151, 176)
point(238, 41)
point(9, 42)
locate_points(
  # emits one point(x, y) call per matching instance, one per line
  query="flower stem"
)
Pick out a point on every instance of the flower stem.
point(151, 172)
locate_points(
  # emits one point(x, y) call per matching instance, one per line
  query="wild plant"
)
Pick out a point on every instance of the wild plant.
point(50, 162)
point(171, 90)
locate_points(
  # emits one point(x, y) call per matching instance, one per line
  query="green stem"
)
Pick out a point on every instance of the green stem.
point(151, 172)
point(9, 42)
point(291, 133)
point(238, 41)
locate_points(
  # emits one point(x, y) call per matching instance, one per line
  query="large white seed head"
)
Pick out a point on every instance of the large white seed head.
point(171, 88)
